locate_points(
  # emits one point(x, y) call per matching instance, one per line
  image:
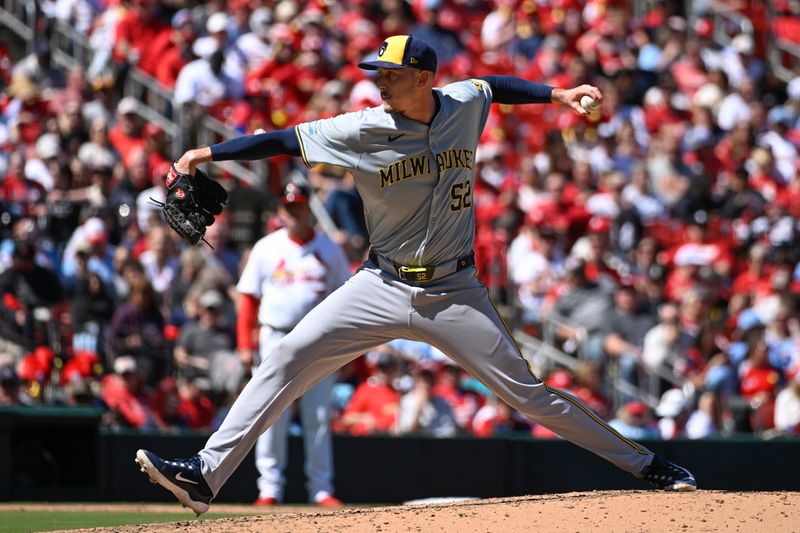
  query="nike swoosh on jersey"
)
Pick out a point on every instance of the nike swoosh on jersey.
point(393, 138)
point(179, 477)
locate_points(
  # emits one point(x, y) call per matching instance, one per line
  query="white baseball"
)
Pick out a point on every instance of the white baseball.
point(588, 103)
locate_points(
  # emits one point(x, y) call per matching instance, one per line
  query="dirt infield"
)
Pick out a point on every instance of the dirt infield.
point(579, 512)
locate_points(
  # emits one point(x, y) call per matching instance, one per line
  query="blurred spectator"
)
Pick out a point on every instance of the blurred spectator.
point(787, 406)
point(219, 254)
point(584, 302)
point(91, 309)
point(436, 27)
point(196, 406)
point(138, 188)
point(88, 250)
point(595, 249)
point(98, 152)
point(78, 13)
point(102, 43)
point(27, 112)
point(535, 267)
point(758, 382)
point(126, 134)
point(159, 261)
point(588, 388)
point(634, 421)
point(735, 108)
point(758, 379)
point(464, 403)
point(80, 379)
point(22, 195)
point(255, 44)
point(9, 385)
point(34, 371)
point(422, 411)
point(137, 329)
point(704, 422)
point(44, 167)
point(126, 271)
point(660, 345)
point(673, 414)
point(219, 26)
point(374, 405)
point(139, 26)
point(637, 193)
point(493, 419)
point(155, 147)
point(166, 404)
point(100, 99)
point(124, 393)
point(191, 264)
point(29, 292)
point(39, 68)
point(203, 81)
point(625, 329)
point(81, 392)
point(160, 52)
point(205, 347)
point(177, 53)
point(782, 335)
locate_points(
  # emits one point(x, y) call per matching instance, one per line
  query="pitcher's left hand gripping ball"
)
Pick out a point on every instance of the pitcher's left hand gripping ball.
point(192, 202)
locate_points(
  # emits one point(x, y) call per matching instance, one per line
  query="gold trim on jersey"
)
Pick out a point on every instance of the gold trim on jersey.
point(395, 49)
point(302, 149)
point(562, 395)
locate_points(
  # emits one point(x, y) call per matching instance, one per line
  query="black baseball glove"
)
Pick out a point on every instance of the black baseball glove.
point(192, 202)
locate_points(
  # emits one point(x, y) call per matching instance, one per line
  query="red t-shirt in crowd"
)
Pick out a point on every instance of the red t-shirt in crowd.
point(377, 399)
point(134, 410)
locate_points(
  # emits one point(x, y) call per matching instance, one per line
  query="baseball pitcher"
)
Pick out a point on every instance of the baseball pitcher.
point(413, 161)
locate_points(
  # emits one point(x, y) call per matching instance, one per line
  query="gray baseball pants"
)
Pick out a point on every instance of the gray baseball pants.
point(454, 314)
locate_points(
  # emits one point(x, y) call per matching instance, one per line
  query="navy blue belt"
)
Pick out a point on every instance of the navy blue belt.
point(422, 274)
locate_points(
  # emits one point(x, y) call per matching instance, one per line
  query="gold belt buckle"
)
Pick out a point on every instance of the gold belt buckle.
point(418, 274)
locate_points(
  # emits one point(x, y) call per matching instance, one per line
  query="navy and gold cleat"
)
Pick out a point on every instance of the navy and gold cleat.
point(182, 477)
point(664, 475)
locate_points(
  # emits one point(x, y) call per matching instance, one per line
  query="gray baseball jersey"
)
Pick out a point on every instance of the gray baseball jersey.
point(416, 183)
point(426, 169)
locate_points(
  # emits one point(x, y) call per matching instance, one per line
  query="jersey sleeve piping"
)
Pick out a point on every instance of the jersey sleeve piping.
point(487, 88)
point(302, 148)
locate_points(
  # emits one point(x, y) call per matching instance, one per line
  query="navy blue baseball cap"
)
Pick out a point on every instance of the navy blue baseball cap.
point(403, 51)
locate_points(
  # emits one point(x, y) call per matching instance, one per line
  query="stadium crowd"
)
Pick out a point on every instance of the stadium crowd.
point(660, 233)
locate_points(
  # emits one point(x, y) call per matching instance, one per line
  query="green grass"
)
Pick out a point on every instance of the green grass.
point(27, 521)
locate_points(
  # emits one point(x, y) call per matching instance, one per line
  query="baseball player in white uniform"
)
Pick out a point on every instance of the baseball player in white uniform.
point(413, 163)
point(287, 274)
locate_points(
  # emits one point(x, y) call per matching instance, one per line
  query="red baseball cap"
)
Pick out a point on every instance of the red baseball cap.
point(636, 408)
point(294, 193)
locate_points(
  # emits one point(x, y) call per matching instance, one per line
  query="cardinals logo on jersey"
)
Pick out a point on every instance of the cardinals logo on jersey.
point(311, 269)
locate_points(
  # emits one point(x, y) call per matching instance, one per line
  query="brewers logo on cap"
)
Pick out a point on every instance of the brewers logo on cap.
point(402, 51)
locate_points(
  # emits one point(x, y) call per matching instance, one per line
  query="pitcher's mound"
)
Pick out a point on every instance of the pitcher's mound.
point(592, 512)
